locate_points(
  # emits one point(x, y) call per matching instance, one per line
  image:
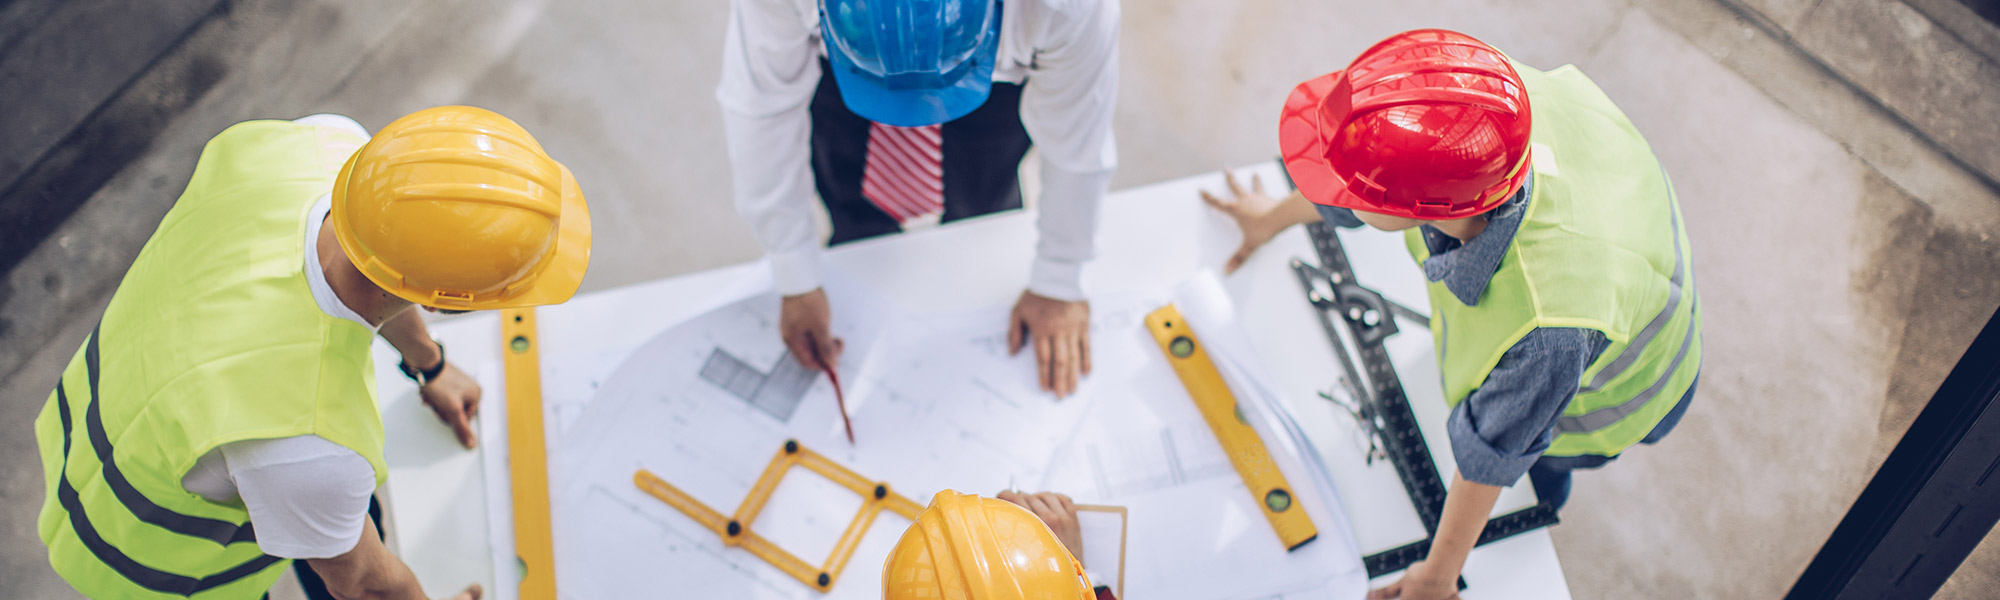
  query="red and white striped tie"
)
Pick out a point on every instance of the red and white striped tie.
point(904, 175)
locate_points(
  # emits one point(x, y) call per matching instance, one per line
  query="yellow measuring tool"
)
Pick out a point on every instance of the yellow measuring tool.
point(1245, 448)
point(735, 529)
point(527, 457)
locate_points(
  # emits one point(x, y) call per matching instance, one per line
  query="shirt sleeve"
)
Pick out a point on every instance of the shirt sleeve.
point(770, 70)
point(1503, 427)
point(1067, 108)
point(308, 496)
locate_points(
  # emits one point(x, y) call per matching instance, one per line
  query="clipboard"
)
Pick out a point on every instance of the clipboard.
point(1094, 522)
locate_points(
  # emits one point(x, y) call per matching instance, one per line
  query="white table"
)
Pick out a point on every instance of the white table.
point(1150, 237)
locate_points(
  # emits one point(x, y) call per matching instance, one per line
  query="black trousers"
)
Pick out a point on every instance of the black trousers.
point(982, 160)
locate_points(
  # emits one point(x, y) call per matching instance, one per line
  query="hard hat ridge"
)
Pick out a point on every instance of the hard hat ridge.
point(1427, 124)
point(458, 207)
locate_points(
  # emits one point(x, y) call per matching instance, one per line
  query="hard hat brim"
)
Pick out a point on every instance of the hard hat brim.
point(1303, 140)
point(560, 279)
point(873, 99)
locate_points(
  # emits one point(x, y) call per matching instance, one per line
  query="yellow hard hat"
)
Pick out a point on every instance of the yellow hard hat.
point(965, 547)
point(459, 208)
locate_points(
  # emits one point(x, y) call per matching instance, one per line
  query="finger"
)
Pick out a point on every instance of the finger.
point(798, 343)
point(1241, 256)
point(1068, 506)
point(472, 592)
point(462, 427)
point(1219, 204)
point(829, 351)
point(1016, 333)
point(1257, 184)
point(1040, 506)
point(1083, 349)
point(472, 402)
point(1044, 360)
point(1012, 496)
point(1393, 590)
point(1065, 365)
point(1234, 187)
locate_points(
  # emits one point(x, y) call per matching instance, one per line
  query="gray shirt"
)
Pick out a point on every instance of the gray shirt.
point(1505, 424)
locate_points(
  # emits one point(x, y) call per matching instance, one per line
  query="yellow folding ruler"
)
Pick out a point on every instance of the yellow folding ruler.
point(1245, 448)
point(527, 457)
point(735, 529)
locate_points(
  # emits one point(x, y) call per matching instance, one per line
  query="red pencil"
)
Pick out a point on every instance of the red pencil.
point(839, 398)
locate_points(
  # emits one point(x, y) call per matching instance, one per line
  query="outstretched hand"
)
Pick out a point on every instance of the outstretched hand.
point(1258, 215)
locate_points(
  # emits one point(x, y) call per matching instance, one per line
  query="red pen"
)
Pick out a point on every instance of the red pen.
point(839, 398)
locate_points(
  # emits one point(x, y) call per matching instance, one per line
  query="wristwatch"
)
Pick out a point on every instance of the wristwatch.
point(423, 377)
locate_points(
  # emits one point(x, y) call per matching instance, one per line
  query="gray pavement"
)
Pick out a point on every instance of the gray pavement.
point(1835, 161)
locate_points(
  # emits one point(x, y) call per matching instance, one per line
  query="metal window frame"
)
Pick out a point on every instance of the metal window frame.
point(1932, 501)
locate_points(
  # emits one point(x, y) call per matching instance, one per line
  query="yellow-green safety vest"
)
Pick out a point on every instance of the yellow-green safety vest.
point(212, 337)
point(1601, 247)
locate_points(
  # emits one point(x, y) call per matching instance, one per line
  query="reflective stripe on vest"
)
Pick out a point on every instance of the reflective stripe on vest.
point(1609, 415)
point(221, 532)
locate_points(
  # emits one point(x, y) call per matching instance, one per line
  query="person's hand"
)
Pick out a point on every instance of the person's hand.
point(1057, 511)
point(1060, 331)
point(1256, 213)
point(805, 322)
point(1418, 583)
point(454, 396)
point(472, 592)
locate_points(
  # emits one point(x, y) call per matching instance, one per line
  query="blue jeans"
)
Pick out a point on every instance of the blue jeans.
point(1551, 475)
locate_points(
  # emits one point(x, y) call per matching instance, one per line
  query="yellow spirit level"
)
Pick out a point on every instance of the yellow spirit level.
point(527, 457)
point(735, 530)
point(1245, 448)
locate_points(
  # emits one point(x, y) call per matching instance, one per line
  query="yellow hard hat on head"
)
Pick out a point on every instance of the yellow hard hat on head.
point(965, 547)
point(457, 207)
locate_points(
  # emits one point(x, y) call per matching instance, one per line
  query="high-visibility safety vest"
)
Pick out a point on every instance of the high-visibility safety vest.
point(1601, 247)
point(212, 337)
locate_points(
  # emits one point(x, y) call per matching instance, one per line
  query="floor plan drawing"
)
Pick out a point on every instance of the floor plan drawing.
point(937, 402)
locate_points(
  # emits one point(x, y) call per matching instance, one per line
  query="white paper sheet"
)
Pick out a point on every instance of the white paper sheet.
point(937, 403)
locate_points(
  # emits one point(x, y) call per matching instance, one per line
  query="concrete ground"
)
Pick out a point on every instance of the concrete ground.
point(1840, 206)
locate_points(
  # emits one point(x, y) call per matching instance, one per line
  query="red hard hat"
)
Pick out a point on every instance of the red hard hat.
point(1428, 124)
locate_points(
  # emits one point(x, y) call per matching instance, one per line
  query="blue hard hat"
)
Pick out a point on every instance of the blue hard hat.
point(911, 62)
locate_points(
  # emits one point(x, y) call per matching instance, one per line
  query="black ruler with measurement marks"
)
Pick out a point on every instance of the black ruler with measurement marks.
point(1357, 320)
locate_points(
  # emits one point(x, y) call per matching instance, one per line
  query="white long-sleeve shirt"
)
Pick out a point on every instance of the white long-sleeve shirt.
point(1065, 50)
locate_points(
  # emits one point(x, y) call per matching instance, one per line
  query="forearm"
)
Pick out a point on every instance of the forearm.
point(1295, 209)
point(406, 331)
point(396, 584)
point(368, 572)
point(770, 71)
point(773, 183)
point(1466, 508)
point(1067, 226)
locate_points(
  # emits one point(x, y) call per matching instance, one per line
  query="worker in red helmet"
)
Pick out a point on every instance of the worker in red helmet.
point(1562, 295)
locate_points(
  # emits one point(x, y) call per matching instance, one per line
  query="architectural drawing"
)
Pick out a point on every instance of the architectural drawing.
point(937, 403)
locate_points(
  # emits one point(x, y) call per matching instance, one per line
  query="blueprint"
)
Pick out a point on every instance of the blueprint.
point(938, 402)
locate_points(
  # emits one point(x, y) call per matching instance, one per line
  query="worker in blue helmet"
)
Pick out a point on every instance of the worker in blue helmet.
point(931, 107)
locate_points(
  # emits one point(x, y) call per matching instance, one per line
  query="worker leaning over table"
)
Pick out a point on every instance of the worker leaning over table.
point(901, 111)
point(1562, 295)
point(1014, 546)
point(221, 419)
